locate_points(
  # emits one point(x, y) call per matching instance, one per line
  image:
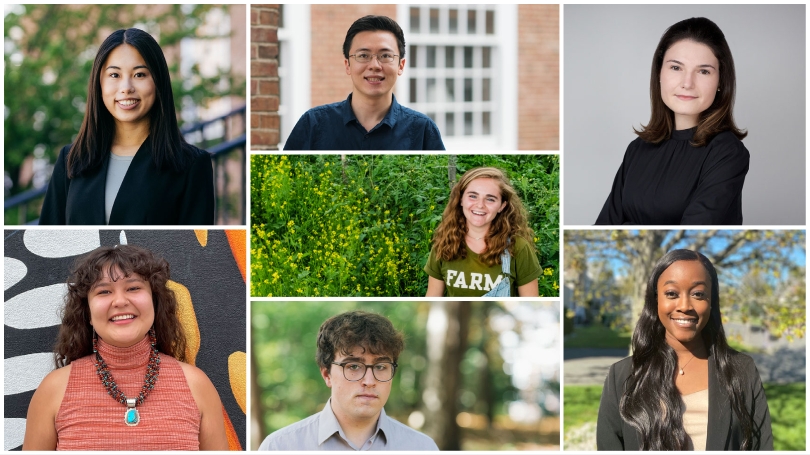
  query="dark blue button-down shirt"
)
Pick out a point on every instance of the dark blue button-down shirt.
point(335, 127)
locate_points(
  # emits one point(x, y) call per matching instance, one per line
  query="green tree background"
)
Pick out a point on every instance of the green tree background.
point(361, 225)
point(762, 285)
point(287, 386)
point(49, 52)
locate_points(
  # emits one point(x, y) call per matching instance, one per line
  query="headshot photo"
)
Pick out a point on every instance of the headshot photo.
point(701, 333)
point(400, 77)
point(140, 121)
point(673, 129)
point(406, 376)
point(124, 330)
point(404, 225)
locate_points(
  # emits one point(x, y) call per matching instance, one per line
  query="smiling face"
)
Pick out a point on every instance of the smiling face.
point(690, 76)
point(357, 401)
point(684, 306)
point(374, 79)
point(481, 202)
point(121, 308)
point(127, 87)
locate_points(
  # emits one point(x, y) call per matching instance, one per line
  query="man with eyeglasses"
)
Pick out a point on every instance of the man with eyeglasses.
point(357, 353)
point(370, 118)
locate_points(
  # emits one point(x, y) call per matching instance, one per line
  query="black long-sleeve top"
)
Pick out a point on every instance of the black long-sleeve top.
point(674, 183)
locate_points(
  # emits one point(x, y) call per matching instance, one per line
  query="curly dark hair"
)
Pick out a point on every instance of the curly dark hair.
point(75, 338)
point(346, 331)
point(651, 403)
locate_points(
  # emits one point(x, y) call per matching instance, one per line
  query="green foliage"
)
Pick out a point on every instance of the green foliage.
point(580, 405)
point(361, 226)
point(786, 403)
point(761, 272)
point(48, 60)
point(597, 336)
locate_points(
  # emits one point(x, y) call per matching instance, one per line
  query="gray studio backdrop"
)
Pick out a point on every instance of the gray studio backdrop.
point(607, 55)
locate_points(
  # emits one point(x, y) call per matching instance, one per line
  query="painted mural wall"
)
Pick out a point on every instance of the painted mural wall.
point(208, 278)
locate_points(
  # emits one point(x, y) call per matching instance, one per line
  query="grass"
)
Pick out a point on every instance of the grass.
point(597, 336)
point(786, 403)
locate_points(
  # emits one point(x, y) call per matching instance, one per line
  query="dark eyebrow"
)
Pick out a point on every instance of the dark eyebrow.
point(487, 195)
point(694, 283)
point(135, 68)
point(385, 49)
point(705, 65)
point(359, 360)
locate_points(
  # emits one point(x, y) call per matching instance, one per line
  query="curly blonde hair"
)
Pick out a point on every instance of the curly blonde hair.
point(511, 222)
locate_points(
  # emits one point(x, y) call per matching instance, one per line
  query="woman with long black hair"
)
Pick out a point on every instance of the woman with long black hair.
point(683, 388)
point(129, 164)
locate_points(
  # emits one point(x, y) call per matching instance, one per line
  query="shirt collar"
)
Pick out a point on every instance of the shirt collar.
point(390, 118)
point(328, 424)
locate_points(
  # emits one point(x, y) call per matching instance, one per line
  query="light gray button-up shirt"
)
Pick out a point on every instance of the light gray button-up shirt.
point(322, 432)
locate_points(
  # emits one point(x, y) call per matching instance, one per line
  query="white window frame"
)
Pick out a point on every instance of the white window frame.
point(503, 73)
point(294, 42)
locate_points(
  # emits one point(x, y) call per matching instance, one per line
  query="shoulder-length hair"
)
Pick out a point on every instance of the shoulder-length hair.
point(512, 222)
point(651, 403)
point(719, 116)
point(75, 339)
point(95, 138)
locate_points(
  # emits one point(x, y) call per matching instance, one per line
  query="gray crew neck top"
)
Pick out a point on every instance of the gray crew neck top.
point(116, 170)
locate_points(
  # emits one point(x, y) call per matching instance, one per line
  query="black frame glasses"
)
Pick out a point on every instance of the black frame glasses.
point(372, 56)
point(342, 366)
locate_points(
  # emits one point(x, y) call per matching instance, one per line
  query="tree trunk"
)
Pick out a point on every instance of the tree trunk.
point(257, 428)
point(447, 329)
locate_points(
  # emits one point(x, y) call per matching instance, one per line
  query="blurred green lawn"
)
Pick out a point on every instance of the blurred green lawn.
point(786, 403)
point(597, 336)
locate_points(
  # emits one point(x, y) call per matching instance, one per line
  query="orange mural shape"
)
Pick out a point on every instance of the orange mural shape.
point(188, 319)
point(233, 439)
point(236, 239)
point(202, 236)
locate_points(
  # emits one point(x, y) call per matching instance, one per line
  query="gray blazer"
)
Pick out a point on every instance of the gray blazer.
point(723, 432)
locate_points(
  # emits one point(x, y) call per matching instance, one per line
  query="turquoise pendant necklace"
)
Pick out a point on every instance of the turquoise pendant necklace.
point(131, 417)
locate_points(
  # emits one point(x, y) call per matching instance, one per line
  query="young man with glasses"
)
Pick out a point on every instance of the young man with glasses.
point(357, 353)
point(371, 118)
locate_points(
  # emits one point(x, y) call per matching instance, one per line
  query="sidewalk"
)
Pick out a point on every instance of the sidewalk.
point(589, 366)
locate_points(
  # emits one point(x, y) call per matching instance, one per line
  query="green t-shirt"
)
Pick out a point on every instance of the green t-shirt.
point(472, 278)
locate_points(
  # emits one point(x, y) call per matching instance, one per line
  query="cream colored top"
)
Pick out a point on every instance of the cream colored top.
point(696, 418)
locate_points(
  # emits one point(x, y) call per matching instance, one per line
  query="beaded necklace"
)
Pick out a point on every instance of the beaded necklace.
point(131, 416)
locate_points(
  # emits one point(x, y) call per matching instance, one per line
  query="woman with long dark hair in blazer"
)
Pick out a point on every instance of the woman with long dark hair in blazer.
point(683, 388)
point(130, 164)
point(688, 165)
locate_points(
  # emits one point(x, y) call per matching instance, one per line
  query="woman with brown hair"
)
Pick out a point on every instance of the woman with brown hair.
point(688, 165)
point(119, 358)
point(483, 245)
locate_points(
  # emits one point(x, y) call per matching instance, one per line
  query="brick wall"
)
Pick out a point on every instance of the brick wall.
point(264, 89)
point(539, 107)
point(330, 83)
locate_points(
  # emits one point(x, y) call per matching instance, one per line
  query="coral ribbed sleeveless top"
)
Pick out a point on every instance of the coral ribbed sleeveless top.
point(90, 419)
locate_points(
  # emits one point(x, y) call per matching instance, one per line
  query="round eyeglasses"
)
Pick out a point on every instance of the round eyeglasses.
point(365, 57)
point(355, 371)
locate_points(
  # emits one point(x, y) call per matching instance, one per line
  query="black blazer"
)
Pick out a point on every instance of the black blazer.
point(723, 432)
point(146, 196)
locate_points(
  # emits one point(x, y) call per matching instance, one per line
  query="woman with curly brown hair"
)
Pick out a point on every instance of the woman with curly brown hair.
point(119, 358)
point(483, 245)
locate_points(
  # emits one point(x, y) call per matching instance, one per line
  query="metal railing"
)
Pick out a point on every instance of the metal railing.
point(231, 202)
